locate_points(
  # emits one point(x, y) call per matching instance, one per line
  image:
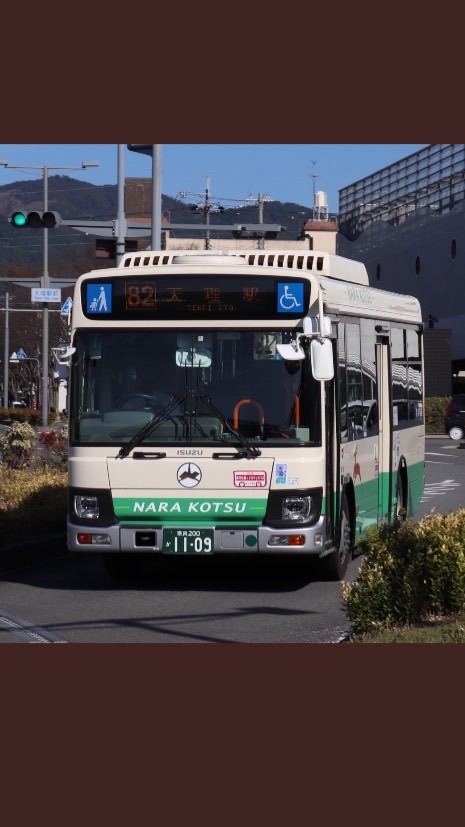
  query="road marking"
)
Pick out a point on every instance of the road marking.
point(26, 630)
point(433, 454)
point(434, 489)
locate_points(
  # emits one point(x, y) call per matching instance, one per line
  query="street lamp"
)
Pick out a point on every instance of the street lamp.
point(45, 282)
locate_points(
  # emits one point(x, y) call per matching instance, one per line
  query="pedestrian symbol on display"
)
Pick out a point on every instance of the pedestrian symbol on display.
point(66, 309)
point(99, 298)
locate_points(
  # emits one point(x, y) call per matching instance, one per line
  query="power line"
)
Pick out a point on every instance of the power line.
point(206, 207)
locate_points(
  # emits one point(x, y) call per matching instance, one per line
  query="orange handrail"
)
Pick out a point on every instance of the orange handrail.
point(248, 402)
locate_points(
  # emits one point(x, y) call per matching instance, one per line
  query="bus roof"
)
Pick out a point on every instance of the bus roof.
point(317, 262)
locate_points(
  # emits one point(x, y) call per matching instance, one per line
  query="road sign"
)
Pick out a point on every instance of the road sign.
point(45, 294)
point(20, 354)
point(66, 309)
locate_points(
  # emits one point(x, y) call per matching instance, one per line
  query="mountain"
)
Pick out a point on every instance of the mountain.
point(71, 252)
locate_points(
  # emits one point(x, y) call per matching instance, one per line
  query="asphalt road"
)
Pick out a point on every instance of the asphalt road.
point(445, 476)
point(172, 601)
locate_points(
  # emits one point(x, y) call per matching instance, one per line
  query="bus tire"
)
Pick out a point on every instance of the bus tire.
point(337, 562)
point(118, 566)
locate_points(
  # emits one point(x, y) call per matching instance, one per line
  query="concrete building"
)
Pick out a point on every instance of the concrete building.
point(406, 223)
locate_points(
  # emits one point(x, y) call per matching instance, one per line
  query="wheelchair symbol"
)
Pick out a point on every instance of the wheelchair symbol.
point(290, 298)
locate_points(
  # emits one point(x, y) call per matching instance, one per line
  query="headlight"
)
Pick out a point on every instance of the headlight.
point(86, 507)
point(296, 509)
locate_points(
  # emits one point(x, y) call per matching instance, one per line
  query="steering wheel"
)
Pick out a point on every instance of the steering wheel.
point(137, 401)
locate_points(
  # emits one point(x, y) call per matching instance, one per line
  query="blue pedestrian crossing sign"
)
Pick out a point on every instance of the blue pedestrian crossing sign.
point(66, 309)
point(20, 354)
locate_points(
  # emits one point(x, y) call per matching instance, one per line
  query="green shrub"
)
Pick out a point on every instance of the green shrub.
point(33, 502)
point(17, 444)
point(409, 572)
point(31, 415)
point(435, 411)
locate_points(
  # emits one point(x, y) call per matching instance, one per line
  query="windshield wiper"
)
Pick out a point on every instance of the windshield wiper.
point(161, 416)
point(250, 451)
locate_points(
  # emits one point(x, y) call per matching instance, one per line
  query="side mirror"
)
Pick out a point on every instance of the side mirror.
point(63, 354)
point(321, 353)
point(289, 353)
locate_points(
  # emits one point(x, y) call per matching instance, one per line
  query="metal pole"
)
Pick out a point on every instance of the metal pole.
point(120, 217)
point(6, 354)
point(207, 213)
point(45, 284)
point(261, 241)
point(156, 196)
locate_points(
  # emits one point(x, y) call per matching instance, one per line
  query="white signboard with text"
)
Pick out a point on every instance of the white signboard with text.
point(45, 294)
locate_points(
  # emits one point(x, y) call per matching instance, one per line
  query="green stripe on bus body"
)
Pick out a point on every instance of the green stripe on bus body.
point(367, 496)
point(243, 525)
point(173, 509)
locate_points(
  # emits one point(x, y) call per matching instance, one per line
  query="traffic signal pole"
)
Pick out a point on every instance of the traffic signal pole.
point(121, 225)
point(6, 354)
point(156, 197)
point(45, 280)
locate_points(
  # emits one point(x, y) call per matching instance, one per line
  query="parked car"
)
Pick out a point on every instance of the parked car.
point(20, 404)
point(455, 417)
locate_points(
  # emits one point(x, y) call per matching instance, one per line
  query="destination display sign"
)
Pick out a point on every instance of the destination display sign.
point(200, 297)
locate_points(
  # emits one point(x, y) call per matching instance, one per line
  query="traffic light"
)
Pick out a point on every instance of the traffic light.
point(47, 219)
point(106, 247)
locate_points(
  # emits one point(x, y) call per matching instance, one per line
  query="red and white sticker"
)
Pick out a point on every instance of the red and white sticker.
point(250, 479)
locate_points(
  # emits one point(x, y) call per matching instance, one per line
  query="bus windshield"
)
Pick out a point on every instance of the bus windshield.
point(203, 386)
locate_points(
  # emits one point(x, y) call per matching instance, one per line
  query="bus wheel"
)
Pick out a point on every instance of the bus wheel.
point(118, 566)
point(336, 563)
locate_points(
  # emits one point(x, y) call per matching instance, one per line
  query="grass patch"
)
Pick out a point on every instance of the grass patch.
point(437, 630)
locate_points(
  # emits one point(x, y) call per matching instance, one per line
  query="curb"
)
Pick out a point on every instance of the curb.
point(17, 556)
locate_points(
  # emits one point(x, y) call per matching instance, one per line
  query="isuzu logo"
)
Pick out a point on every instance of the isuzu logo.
point(189, 475)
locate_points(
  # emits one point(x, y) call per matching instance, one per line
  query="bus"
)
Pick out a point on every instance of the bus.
point(251, 402)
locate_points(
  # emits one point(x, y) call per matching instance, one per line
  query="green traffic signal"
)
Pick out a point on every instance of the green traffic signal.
point(48, 219)
point(19, 219)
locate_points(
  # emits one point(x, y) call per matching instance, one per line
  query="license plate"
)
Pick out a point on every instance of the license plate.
point(188, 541)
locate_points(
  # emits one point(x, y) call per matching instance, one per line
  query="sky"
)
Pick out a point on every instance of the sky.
point(233, 172)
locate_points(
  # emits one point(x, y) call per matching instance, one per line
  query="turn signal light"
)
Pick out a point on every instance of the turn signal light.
point(296, 540)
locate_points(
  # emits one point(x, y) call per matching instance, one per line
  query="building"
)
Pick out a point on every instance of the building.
point(406, 223)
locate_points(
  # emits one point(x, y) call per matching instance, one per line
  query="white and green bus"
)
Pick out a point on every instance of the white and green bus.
point(252, 402)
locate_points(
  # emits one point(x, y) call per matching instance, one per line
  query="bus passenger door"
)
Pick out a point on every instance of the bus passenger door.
point(383, 447)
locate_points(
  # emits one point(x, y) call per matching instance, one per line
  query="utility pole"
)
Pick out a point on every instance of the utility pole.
point(206, 208)
point(314, 177)
point(207, 212)
point(260, 201)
